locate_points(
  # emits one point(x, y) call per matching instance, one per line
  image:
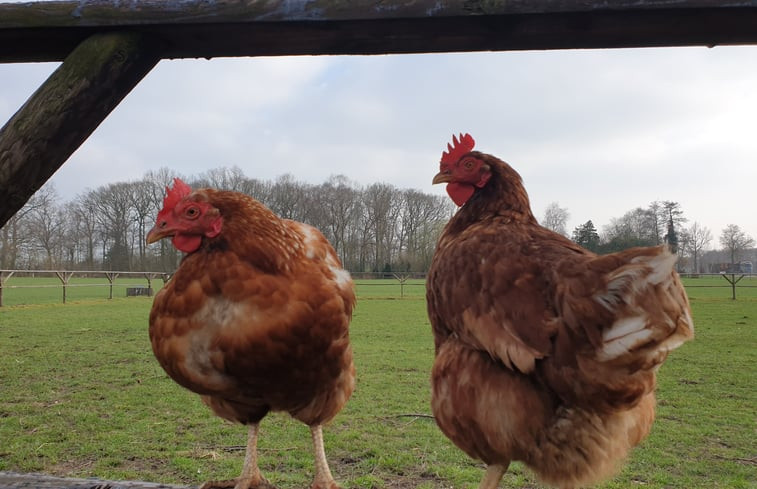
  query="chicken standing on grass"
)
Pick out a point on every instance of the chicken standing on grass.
point(545, 352)
point(255, 319)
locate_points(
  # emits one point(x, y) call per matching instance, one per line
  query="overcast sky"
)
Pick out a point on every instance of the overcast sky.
point(600, 132)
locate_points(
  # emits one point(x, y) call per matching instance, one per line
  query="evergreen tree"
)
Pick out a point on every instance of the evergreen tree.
point(586, 235)
point(671, 238)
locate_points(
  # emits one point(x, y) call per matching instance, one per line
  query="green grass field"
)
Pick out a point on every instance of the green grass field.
point(81, 395)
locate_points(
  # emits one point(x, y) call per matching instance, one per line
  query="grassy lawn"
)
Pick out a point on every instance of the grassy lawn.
point(81, 395)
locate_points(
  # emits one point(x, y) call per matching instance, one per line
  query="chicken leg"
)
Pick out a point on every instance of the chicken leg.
point(251, 477)
point(323, 478)
point(493, 475)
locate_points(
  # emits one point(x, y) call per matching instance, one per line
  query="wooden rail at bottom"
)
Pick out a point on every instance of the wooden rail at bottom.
point(12, 480)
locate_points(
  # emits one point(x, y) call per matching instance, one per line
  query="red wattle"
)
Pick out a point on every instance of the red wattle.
point(460, 192)
point(187, 242)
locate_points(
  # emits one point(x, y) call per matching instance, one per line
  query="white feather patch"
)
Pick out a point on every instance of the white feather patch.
point(309, 236)
point(314, 250)
point(624, 326)
point(216, 313)
point(662, 265)
point(623, 336)
point(342, 277)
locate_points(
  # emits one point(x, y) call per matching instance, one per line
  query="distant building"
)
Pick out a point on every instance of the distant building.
point(744, 267)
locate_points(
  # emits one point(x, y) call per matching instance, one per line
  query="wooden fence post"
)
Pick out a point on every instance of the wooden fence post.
point(733, 281)
point(150, 276)
point(111, 276)
point(64, 277)
point(402, 278)
point(4, 276)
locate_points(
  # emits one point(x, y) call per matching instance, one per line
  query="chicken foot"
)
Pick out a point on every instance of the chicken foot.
point(251, 478)
point(323, 478)
point(493, 475)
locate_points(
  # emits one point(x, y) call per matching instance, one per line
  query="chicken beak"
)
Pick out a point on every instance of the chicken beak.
point(442, 177)
point(158, 232)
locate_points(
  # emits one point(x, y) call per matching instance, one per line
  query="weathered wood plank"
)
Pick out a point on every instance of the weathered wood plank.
point(65, 110)
point(200, 28)
point(12, 480)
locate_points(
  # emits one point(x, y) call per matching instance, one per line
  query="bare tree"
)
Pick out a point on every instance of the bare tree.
point(286, 198)
point(382, 205)
point(256, 189)
point(143, 212)
point(734, 240)
point(16, 235)
point(160, 179)
point(85, 210)
point(338, 201)
point(168, 256)
point(423, 217)
point(223, 178)
point(635, 228)
point(72, 246)
point(12, 236)
point(556, 218)
point(115, 213)
point(661, 214)
point(48, 224)
point(698, 238)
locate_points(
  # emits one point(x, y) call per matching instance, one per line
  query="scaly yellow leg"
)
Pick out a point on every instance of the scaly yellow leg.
point(323, 478)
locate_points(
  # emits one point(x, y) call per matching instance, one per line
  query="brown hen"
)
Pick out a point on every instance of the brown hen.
point(545, 352)
point(255, 319)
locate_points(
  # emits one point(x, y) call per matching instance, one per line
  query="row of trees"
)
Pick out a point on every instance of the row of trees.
point(660, 222)
point(373, 228)
point(376, 228)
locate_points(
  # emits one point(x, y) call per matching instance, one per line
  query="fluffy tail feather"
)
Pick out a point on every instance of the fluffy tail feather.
point(635, 312)
point(649, 306)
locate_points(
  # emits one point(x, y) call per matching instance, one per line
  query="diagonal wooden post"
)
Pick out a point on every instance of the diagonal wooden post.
point(150, 276)
point(66, 109)
point(111, 276)
point(4, 276)
point(64, 277)
point(733, 281)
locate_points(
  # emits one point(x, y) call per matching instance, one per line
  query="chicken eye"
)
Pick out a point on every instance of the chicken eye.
point(192, 212)
point(468, 164)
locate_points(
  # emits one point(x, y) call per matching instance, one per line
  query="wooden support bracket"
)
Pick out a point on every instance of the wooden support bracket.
point(64, 277)
point(4, 276)
point(111, 276)
point(65, 110)
point(733, 281)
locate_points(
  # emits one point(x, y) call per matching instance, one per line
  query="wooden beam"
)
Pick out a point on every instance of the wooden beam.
point(48, 31)
point(65, 110)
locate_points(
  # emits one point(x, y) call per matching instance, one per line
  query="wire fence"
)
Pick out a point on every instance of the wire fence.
point(38, 286)
point(731, 281)
point(50, 286)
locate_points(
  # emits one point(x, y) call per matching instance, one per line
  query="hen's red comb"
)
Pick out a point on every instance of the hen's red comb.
point(458, 148)
point(175, 194)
